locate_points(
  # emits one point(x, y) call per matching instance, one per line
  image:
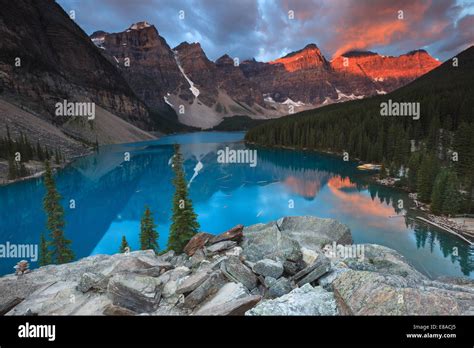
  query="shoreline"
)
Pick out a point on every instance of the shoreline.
point(390, 182)
point(55, 167)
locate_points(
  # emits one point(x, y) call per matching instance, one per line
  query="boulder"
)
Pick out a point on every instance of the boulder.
point(313, 272)
point(174, 274)
point(91, 281)
point(197, 258)
point(279, 287)
point(113, 310)
point(191, 282)
point(197, 242)
point(237, 251)
point(373, 293)
point(266, 241)
point(208, 288)
point(61, 298)
point(168, 256)
point(377, 258)
point(309, 256)
point(236, 271)
point(235, 307)
point(314, 233)
point(6, 306)
point(291, 267)
point(180, 260)
point(133, 262)
point(268, 268)
point(220, 246)
point(268, 281)
point(234, 234)
point(227, 294)
point(301, 301)
point(135, 292)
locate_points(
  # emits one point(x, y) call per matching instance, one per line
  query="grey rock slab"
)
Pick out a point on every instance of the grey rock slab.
point(280, 287)
point(314, 233)
point(321, 266)
point(220, 246)
point(174, 274)
point(300, 301)
point(377, 258)
point(235, 307)
point(268, 268)
point(234, 234)
point(91, 281)
point(266, 241)
point(191, 282)
point(135, 292)
point(236, 271)
point(61, 298)
point(208, 288)
point(113, 310)
point(228, 293)
point(374, 293)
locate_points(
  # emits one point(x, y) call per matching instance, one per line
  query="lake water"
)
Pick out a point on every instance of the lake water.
point(110, 194)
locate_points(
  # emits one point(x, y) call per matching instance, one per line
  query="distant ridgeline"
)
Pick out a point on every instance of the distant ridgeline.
point(437, 148)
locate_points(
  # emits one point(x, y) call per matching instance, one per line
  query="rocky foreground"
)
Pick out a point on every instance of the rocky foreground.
point(277, 268)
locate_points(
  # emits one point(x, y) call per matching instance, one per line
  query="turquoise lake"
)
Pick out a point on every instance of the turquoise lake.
point(110, 195)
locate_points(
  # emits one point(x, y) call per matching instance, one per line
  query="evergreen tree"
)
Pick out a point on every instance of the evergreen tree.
point(61, 251)
point(437, 196)
point(124, 245)
point(148, 234)
point(413, 167)
point(426, 177)
point(44, 253)
point(451, 202)
point(184, 220)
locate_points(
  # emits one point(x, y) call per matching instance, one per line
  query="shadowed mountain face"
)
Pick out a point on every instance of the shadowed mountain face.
point(185, 78)
point(152, 72)
point(45, 58)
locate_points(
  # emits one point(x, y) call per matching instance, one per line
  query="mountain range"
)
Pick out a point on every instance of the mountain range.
point(208, 91)
point(141, 85)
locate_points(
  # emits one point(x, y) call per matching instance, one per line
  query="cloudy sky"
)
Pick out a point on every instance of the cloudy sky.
point(265, 30)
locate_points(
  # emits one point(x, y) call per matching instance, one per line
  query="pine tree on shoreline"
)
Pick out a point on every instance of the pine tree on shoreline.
point(44, 253)
point(184, 220)
point(148, 234)
point(124, 247)
point(61, 251)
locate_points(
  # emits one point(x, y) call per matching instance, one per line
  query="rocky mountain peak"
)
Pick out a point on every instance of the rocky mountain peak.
point(224, 60)
point(356, 53)
point(307, 58)
point(380, 69)
point(190, 49)
point(139, 25)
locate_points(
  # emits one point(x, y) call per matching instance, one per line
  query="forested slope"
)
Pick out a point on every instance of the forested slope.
point(426, 145)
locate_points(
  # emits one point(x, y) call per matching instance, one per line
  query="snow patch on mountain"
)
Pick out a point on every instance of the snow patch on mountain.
point(139, 25)
point(167, 101)
point(352, 96)
point(193, 89)
point(288, 101)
